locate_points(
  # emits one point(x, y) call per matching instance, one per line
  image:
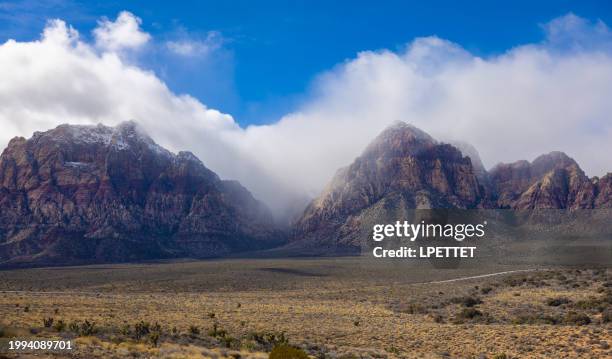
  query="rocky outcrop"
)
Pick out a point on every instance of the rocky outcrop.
point(403, 168)
point(78, 194)
point(551, 181)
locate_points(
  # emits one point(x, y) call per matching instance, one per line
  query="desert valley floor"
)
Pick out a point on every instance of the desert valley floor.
point(330, 307)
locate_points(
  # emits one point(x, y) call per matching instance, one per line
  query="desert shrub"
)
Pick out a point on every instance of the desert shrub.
point(415, 308)
point(607, 296)
point(154, 338)
point(469, 313)
point(536, 319)
point(211, 315)
point(125, 330)
point(574, 318)
point(486, 290)
point(356, 323)
point(268, 339)
point(514, 281)
point(467, 301)
point(48, 322)
point(284, 351)
point(194, 330)
point(141, 329)
point(175, 331)
point(59, 326)
point(591, 304)
point(500, 356)
point(248, 345)
point(74, 327)
point(26, 308)
point(437, 318)
point(555, 302)
point(393, 350)
point(606, 316)
point(215, 331)
point(227, 340)
point(88, 328)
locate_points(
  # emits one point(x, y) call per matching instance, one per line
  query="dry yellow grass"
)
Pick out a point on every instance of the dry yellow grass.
point(337, 315)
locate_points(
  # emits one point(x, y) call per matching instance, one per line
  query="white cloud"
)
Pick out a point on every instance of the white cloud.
point(196, 47)
point(123, 33)
point(534, 98)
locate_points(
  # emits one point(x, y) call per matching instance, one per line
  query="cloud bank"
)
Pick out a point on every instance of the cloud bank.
point(532, 99)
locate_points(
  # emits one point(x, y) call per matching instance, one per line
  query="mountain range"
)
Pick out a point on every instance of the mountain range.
point(90, 194)
point(83, 194)
point(404, 168)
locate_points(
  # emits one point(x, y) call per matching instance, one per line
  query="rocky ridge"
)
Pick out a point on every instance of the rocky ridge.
point(106, 194)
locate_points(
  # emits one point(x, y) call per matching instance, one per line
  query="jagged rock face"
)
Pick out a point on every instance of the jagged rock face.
point(604, 191)
point(470, 151)
point(404, 168)
point(552, 181)
point(95, 193)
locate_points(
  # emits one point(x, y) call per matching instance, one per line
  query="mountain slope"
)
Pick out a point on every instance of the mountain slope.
point(402, 169)
point(79, 194)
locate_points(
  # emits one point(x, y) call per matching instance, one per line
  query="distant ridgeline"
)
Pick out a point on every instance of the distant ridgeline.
point(88, 194)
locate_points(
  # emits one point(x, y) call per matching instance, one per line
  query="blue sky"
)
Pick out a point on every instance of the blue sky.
point(267, 53)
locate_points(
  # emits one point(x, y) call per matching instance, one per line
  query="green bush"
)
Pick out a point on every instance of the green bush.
point(125, 330)
point(88, 328)
point(469, 313)
point(194, 330)
point(486, 290)
point(215, 331)
point(415, 308)
point(59, 326)
point(437, 318)
point(74, 327)
point(154, 338)
point(268, 340)
point(284, 351)
point(555, 302)
point(467, 301)
point(141, 329)
point(574, 318)
point(590, 304)
point(536, 319)
point(48, 322)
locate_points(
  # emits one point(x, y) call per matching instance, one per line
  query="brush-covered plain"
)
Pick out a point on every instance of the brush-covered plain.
point(321, 307)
